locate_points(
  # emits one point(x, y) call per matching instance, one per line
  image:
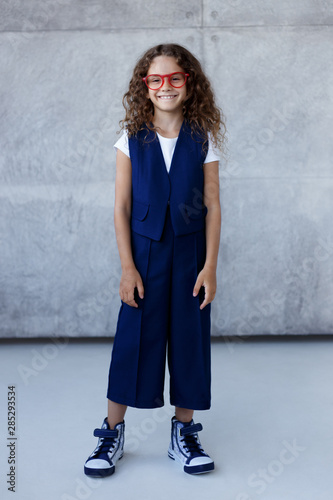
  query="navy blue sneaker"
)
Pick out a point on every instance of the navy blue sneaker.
point(186, 449)
point(109, 450)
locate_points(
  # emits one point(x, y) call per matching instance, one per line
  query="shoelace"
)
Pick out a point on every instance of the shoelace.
point(105, 446)
point(192, 445)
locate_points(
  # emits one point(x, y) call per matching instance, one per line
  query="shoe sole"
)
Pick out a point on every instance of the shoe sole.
point(195, 469)
point(99, 472)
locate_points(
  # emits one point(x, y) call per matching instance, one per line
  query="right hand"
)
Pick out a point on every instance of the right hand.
point(130, 280)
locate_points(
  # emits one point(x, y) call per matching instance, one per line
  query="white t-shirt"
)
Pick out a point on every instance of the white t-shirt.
point(168, 146)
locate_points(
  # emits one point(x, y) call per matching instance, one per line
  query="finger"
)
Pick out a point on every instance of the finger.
point(206, 295)
point(209, 297)
point(140, 288)
point(130, 299)
point(197, 286)
point(203, 304)
point(123, 295)
point(205, 301)
point(132, 303)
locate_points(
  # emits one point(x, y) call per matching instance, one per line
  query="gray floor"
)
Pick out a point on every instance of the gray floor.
point(270, 429)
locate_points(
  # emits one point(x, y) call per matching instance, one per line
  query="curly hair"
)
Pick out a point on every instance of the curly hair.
point(199, 108)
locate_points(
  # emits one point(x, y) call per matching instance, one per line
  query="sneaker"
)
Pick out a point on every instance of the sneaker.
point(109, 449)
point(185, 447)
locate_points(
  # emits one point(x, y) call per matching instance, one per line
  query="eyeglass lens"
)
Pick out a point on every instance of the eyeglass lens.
point(176, 80)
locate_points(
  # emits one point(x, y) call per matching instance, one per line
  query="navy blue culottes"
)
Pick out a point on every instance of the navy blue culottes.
point(168, 319)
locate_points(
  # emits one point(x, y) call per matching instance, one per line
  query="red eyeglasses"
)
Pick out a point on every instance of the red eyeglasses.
point(176, 80)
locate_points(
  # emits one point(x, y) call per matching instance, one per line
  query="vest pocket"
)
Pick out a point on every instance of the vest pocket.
point(139, 210)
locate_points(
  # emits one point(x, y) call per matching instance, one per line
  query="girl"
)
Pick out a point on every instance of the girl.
point(167, 220)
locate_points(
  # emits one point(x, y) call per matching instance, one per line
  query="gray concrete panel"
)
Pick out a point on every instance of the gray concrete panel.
point(266, 12)
point(60, 277)
point(36, 15)
point(275, 87)
point(276, 259)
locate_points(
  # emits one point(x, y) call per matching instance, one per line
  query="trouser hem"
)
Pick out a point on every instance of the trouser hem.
point(190, 405)
point(156, 403)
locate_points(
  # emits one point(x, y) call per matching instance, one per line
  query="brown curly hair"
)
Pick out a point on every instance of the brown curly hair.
point(199, 110)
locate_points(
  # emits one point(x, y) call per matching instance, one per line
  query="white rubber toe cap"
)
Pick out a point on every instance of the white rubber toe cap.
point(97, 463)
point(199, 461)
point(199, 465)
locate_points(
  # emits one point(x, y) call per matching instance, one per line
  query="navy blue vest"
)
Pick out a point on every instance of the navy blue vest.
point(153, 188)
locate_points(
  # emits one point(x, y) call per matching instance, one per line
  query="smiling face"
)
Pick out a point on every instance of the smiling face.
point(166, 99)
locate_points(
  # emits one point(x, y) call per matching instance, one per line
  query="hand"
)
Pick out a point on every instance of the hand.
point(130, 280)
point(207, 279)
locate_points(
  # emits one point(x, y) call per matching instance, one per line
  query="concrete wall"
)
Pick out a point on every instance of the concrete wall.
point(64, 67)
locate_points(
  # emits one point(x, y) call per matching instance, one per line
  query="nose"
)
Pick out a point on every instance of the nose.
point(166, 85)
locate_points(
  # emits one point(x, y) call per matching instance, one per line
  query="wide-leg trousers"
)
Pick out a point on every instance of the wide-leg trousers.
point(167, 321)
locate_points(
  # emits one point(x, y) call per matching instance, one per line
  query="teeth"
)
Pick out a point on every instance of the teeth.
point(166, 96)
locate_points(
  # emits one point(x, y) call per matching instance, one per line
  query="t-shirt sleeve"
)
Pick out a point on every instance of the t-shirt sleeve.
point(122, 144)
point(213, 153)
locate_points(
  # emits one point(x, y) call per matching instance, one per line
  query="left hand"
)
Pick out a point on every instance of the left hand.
point(207, 279)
